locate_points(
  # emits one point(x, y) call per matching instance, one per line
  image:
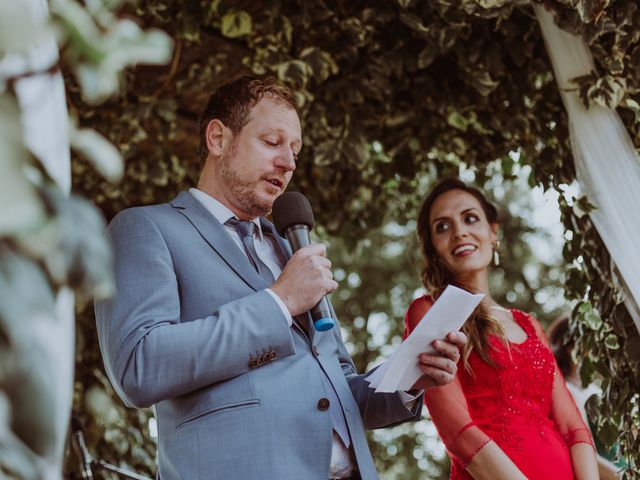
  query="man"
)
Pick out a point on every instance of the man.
point(209, 323)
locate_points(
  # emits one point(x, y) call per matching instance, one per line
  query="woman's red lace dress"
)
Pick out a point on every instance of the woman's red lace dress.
point(524, 406)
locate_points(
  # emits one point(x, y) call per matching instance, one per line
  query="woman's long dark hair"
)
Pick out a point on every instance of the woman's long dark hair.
point(436, 276)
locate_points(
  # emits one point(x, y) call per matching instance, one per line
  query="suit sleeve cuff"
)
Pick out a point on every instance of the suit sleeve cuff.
point(409, 399)
point(283, 307)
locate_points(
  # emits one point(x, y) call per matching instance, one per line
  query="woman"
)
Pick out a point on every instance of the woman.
point(507, 415)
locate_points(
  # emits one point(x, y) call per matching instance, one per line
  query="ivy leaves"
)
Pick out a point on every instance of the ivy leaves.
point(99, 46)
point(236, 24)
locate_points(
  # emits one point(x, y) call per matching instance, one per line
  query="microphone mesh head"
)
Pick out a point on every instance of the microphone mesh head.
point(292, 208)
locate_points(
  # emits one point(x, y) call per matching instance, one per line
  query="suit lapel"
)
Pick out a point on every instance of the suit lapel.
point(217, 237)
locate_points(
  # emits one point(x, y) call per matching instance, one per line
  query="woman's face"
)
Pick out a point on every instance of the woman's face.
point(461, 235)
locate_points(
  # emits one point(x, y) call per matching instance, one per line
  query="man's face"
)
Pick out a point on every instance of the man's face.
point(260, 159)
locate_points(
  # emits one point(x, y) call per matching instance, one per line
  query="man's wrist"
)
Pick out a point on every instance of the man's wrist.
point(281, 304)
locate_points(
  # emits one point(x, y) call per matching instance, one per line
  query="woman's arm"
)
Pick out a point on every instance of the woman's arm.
point(569, 423)
point(448, 406)
point(606, 469)
point(491, 463)
point(583, 459)
point(465, 441)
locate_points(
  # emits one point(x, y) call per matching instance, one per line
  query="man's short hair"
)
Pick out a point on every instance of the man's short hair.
point(232, 102)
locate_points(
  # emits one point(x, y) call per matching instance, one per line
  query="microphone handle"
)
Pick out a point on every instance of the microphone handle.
point(298, 237)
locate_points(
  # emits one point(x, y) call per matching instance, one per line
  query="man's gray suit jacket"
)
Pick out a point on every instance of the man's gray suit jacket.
point(238, 393)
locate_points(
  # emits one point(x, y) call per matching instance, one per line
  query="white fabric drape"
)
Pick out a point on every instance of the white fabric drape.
point(607, 165)
point(45, 128)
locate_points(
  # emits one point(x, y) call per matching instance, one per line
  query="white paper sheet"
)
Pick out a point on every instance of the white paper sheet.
point(400, 371)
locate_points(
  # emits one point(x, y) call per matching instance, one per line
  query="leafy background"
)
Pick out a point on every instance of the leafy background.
point(394, 95)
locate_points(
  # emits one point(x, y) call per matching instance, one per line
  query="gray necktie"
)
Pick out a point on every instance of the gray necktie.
point(246, 232)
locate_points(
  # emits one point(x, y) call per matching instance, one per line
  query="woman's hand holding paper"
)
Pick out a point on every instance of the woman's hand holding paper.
point(440, 368)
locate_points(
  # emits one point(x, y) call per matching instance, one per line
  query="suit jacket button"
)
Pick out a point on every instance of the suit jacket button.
point(252, 363)
point(260, 360)
point(323, 404)
point(272, 355)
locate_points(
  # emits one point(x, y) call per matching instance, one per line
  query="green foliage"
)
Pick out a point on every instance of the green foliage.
point(607, 342)
point(50, 243)
point(393, 95)
point(99, 46)
point(113, 433)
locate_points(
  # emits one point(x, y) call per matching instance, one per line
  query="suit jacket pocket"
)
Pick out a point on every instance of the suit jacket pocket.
point(221, 408)
point(232, 394)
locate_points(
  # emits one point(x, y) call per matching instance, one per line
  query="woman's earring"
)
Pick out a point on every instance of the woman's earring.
point(496, 255)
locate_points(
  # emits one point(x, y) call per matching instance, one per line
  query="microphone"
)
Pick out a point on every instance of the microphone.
point(293, 219)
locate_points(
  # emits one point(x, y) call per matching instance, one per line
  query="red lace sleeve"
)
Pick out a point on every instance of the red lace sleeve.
point(447, 405)
point(564, 412)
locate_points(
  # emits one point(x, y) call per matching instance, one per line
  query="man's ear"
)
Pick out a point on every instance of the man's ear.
point(216, 134)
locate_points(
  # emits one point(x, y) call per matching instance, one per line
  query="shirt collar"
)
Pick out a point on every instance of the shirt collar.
point(221, 212)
